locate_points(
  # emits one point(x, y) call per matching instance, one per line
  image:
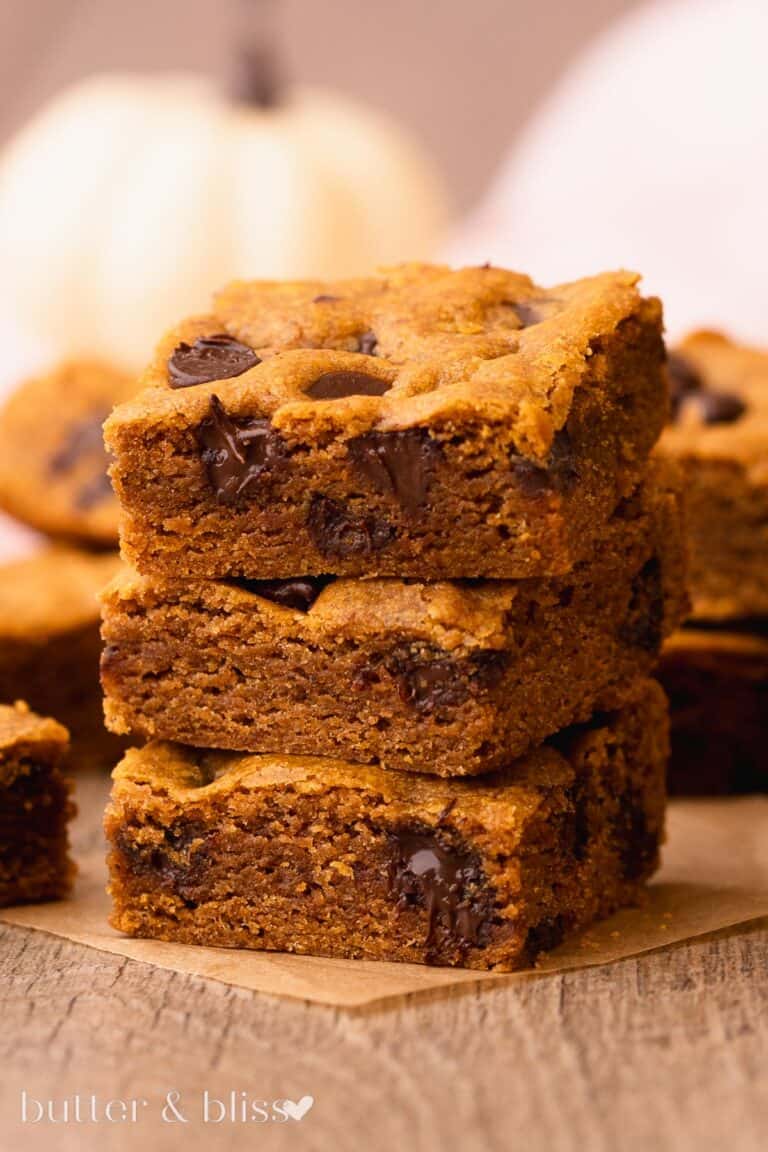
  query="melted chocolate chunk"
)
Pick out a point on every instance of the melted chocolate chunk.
point(683, 377)
point(178, 864)
point(644, 623)
point(337, 532)
point(718, 407)
point(687, 388)
point(209, 358)
point(424, 873)
point(545, 936)
point(236, 452)
point(96, 491)
point(560, 472)
point(367, 343)
point(337, 385)
point(84, 441)
point(299, 593)
point(427, 684)
point(84, 438)
point(398, 463)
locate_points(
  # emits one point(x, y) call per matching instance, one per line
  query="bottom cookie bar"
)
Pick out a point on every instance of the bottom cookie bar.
point(34, 808)
point(717, 683)
point(322, 857)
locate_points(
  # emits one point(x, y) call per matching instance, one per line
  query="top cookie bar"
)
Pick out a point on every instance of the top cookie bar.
point(424, 422)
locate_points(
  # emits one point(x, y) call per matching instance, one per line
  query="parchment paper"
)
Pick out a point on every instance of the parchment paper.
point(715, 875)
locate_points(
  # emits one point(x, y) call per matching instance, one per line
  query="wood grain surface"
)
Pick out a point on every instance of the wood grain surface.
point(667, 1051)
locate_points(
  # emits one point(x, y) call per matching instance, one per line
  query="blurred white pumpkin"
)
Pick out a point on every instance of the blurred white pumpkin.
point(130, 198)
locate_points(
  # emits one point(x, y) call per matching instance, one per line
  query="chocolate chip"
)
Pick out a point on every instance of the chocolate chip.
point(683, 376)
point(299, 594)
point(209, 358)
point(84, 441)
point(236, 452)
point(83, 438)
point(448, 883)
point(367, 343)
point(437, 682)
point(717, 407)
point(336, 385)
point(545, 936)
point(337, 532)
point(400, 463)
point(687, 389)
point(560, 472)
point(94, 492)
point(643, 626)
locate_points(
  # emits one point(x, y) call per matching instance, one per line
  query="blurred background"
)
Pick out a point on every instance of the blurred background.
point(462, 75)
point(294, 138)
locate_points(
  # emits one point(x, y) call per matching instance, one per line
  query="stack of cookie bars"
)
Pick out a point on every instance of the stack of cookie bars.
point(401, 568)
point(716, 669)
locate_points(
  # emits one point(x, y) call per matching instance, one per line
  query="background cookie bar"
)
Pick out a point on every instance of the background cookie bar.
point(719, 435)
point(53, 465)
point(49, 643)
point(322, 857)
point(34, 808)
point(717, 682)
point(424, 423)
point(448, 678)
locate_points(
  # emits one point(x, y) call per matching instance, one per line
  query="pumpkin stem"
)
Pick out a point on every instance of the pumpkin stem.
point(257, 79)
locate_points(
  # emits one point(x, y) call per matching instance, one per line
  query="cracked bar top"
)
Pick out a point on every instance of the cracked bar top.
point(418, 345)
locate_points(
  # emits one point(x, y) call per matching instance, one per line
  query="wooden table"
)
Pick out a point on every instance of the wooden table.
point(668, 1051)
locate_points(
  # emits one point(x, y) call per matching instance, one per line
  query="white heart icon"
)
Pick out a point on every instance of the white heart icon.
point(299, 1108)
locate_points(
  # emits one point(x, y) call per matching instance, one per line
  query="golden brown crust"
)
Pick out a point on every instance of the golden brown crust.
point(451, 344)
point(514, 416)
point(19, 725)
point(52, 460)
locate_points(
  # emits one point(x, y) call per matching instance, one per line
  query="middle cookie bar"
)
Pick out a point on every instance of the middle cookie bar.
point(453, 678)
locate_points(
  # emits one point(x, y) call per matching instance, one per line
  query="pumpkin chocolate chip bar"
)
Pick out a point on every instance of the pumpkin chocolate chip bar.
point(719, 437)
point(446, 677)
point(323, 857)
point(425, 422)
point(34, 808)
